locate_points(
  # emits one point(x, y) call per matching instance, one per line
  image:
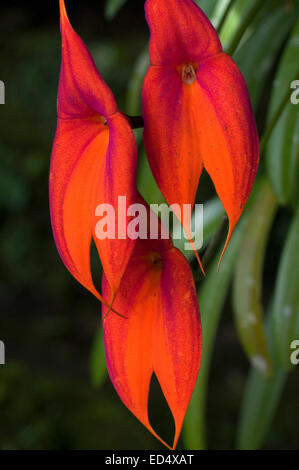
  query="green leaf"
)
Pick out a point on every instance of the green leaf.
point(286, 297)
point(222, 13)
point(257, 55)
point(247, 286)
point(112, 7)
point(136, 81)
point(262, 394)
point(211, 298)
point(234, 19)
point(260, 401)
point(207, 6)
point(146, 183)
point(282, 156)
point(97, 362)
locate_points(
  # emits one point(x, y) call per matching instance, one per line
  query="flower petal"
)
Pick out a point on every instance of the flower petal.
point(161, 334)
point(196, 110)
point(118, 179)
point(171, 138)
point(93, 162)
point(180, 32)
point(171, 134)
point(128, 342)
point(82, 91)
point(228, 133)
point(178, 340)
point(73, 175)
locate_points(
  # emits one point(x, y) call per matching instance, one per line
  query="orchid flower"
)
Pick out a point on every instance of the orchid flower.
point(197, 111)
point(93, 161)
point(162, 332)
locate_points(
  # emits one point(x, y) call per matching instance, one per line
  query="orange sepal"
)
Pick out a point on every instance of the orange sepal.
point(93, 161)
point(196, 110)
point(161, 335)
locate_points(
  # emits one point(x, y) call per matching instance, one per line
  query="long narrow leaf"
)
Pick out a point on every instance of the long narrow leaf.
point(247, 286)
point(251, 12)
point(260, 402)
point(286, 298)
point(257, 56)
point(282, 158)
point(260, 399)
point(234, 18)
point(262, 394)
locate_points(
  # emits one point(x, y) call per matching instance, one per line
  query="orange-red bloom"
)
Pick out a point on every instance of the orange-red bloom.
point(162, 334)
point(93, 161)
point(197, 110)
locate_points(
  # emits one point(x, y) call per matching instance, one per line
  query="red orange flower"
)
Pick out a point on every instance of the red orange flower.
point(196, 110)
point(162, 334)
point(93, 161)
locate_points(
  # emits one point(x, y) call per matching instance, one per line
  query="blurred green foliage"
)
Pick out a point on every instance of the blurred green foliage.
point(54, 392)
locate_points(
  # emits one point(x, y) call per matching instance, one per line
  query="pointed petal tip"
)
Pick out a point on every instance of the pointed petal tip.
point(191, 241)
point(198, 258)
point(63, 12)
point(152, 302)
point(229, 235)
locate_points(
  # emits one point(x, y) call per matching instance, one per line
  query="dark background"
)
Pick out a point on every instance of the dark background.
point(48, 322)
